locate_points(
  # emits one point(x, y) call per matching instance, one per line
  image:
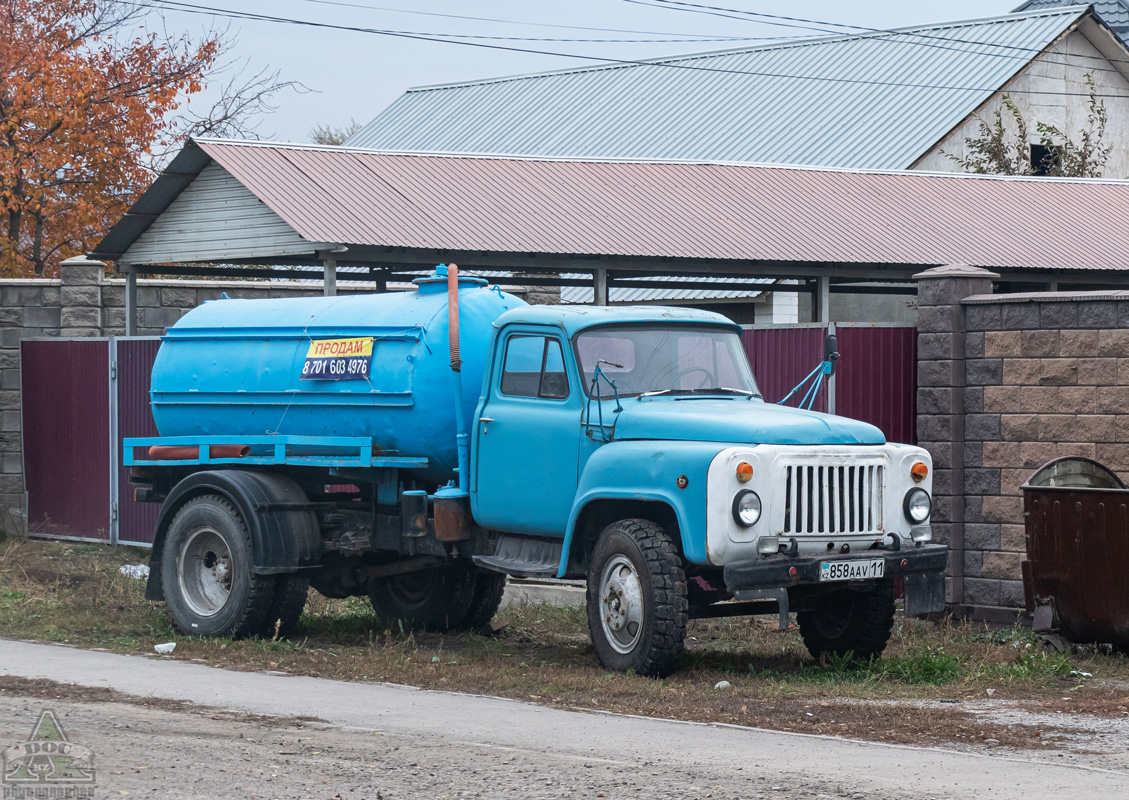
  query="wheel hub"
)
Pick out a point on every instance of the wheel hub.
point(205, 571)
point(621, 604)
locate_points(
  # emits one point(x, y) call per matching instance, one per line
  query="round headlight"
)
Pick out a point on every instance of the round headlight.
point(917, 506)
point(746, 508)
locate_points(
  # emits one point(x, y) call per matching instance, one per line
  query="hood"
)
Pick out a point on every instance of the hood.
point(739, 421)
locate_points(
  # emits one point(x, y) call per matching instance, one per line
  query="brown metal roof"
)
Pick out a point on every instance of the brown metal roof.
point(665, 209)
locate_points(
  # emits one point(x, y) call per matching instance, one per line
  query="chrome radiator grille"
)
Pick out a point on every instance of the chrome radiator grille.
point(833, 500)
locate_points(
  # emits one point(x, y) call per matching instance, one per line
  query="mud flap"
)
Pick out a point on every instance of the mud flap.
point(925, 592)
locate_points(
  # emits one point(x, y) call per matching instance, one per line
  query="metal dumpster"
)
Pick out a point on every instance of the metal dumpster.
point(1074, 578)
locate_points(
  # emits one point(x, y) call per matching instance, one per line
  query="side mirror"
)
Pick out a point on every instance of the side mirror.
point(831, 352)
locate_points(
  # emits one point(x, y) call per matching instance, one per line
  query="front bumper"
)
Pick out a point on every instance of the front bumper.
point(923, 568)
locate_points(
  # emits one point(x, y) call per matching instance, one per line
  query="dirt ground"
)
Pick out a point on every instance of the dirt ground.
point(937, 684)
point(147, 747)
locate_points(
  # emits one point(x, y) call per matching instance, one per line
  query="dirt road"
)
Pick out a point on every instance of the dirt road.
point(242, 737)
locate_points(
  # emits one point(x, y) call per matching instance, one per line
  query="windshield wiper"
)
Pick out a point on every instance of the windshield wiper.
point(723, 390)
point(709, 390)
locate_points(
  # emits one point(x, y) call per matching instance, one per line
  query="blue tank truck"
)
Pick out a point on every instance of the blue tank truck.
point(419, 447)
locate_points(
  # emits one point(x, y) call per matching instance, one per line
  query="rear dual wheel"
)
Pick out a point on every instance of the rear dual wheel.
point(440, 599)
point(209, 586)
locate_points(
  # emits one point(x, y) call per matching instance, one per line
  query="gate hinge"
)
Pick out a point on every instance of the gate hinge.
point(113, 511)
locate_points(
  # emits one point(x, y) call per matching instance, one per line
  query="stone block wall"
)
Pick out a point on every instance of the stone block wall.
point(1007, 383)
point(85, 302)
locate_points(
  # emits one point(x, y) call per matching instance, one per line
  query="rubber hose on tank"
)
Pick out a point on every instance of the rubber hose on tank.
point(453, 314)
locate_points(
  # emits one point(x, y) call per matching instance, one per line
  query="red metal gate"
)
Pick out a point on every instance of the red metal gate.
point(136, 522)
point(65, 400)
point(875, 381)
point(80, 398)
point(782, 357)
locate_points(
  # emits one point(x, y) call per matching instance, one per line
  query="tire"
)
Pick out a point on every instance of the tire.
point(846, 621)
point(485, 599)
point(635, 560)
point(206, 569)
point(287, 605)
point(436, 599)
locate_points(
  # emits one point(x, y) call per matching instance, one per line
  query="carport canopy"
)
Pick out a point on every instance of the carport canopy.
point(252, 209)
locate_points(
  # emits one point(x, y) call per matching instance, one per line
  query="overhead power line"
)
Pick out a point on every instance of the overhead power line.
point(676, 63)
point(523, 23)
point(883, 34)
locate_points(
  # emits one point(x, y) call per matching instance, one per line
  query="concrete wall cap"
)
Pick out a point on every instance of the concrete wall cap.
point(1043, 297)
point(956, 271)
point(82, 261)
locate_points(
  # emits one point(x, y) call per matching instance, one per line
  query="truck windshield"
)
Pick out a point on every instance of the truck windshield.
point(666, 360)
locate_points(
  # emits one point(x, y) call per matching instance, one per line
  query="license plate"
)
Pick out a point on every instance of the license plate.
point(852, 570)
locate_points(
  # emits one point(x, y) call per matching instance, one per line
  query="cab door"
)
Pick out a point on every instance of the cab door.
point(527, 437)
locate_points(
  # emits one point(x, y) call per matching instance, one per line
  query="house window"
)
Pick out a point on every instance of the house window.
point(1044, 158)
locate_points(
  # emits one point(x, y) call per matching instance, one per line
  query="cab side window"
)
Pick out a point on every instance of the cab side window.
point(534, 367)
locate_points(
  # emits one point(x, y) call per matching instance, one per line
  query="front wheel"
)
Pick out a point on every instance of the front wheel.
point(206, 570)
point(637, 607)
point(845, 621)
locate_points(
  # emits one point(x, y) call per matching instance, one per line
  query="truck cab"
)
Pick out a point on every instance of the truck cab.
point(635, 448)
point(337, 444)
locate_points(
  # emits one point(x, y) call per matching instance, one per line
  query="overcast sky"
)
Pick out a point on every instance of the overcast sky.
point(355, 74)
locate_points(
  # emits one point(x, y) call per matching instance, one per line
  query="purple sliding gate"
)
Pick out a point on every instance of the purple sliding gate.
point(79, 399)
point(65, 400)
point(876, 378)
point(782, 357)
point(136, 521)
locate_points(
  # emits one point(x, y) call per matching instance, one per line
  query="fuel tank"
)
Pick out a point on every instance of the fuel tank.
point(374, 365)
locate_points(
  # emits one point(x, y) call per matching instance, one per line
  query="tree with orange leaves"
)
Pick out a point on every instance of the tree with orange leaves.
point(89, 100)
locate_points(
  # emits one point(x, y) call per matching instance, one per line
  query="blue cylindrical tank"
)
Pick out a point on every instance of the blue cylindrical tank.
point(234, 368)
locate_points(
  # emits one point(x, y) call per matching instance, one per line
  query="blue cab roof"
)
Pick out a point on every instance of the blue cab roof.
point(573, 319)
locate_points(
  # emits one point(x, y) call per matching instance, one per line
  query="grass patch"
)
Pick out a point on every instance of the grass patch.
point(73, 593)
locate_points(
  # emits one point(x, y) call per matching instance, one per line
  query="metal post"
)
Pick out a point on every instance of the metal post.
point(831, 378)
point(600, 285)
point(130, 300)
point(821, 301)
point(379, 279)
point(115, 488)
point(329, 277)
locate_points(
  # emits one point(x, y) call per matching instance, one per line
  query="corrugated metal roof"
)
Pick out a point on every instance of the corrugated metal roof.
point(1114, 13)
point(875, 100)
point(663, 210)
point(623, 292)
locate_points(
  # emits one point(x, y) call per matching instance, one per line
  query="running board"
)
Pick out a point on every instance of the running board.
point(523, 557)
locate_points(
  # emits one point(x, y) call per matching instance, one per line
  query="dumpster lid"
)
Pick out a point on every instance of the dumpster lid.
point(1075, 472)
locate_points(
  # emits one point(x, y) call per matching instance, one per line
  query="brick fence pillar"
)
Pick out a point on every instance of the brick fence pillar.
point(81, 297)
point(944, 396)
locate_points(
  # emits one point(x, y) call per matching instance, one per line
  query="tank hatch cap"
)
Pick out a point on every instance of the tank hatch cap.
point(436, 282)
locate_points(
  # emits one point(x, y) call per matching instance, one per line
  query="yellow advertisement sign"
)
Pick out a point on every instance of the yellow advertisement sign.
point(338, 359)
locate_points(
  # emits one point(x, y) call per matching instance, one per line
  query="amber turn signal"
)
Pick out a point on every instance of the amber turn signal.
point(744, 472)
point(919, 471)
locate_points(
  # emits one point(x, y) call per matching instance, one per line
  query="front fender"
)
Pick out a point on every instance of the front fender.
point(649, 470)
